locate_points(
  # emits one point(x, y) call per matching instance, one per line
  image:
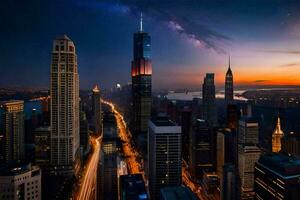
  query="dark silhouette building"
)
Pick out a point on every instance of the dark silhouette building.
point(132, 187)
point(201, 150)
point(277, 177)
point(96, 109)
point(209, 99)
point(141, 72)
point(229, 85)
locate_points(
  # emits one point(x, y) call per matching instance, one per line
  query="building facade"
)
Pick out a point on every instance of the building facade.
point(20, 182)
point(13, 131)
point(64, 94)
point(209, 99)
point(164, 154)
point(248, 155)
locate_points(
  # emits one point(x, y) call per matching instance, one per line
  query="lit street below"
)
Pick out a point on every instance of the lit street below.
point(130, 152)
point(87, 188)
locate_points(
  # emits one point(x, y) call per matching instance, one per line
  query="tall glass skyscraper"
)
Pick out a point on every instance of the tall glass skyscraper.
point(141, 72)
point(64, 93)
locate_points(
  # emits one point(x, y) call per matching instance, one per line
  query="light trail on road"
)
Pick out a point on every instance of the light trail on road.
point(87, 189)
point(130, 152)
point(187, 181)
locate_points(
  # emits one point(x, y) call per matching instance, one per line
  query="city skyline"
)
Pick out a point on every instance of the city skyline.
point(195, 39)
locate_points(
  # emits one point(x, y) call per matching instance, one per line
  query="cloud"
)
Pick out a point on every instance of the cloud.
point(291, 65)
point(260, 81)
point(283, 51)
point(180, 16)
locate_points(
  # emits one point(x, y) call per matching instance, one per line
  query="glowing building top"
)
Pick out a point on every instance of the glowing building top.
point(276, 137)
point(96, 89)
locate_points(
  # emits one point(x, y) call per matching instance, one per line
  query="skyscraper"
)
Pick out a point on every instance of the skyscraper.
point(64, 93)
point(13, 129)
point(229, 85)
point(248, 154)
point(164, 153)
point(96, 106)
point(141, 72)
point(228, 183)
point(276, 137)
point(201, 153)
point(209, 99)
point(291, 144)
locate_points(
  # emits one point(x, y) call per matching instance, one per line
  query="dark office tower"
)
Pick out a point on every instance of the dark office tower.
point(164, 154)
point(291, 144)
point(209, 100)
point(42, 146)
point(229, 85)
point(201, 153)
point(13, 130)
point(64, 94)
point(84, 133)
point(277, 177)
point(228, 183)
point(96, 106)
point(232, 116)
point(225, 149)
point(141, 72)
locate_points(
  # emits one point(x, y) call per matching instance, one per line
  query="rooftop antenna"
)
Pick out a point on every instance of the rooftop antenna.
point(229, 61)
point(141, 22)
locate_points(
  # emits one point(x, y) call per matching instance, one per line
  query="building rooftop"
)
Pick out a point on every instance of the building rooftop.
point(162, 121)
point(177, 193)
point(63, 37)
point(133, 187)
point(282, 164)
point(14, 169)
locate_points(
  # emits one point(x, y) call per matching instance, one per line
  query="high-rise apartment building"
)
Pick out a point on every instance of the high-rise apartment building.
point(229, 85)
point(277, 177)
point(64, 94)
point(141, 73)
point(209, 100)
point(13, 130)
point(96, 107)
point(201, 149)
point(164, 154)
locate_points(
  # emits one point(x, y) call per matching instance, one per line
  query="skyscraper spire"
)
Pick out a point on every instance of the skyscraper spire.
point(141, 22)
point(229, 62)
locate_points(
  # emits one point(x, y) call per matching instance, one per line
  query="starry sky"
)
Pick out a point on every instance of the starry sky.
point(189, 38)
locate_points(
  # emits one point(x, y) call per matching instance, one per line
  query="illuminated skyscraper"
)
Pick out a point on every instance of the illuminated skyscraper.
point(64, 93)
point(276, 137)
point(13, 131)
point(229, 85)
point(141, 72)
point(209, 99)
point(97, 110)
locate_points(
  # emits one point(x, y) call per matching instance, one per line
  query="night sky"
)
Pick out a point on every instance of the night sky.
point(189, 39)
